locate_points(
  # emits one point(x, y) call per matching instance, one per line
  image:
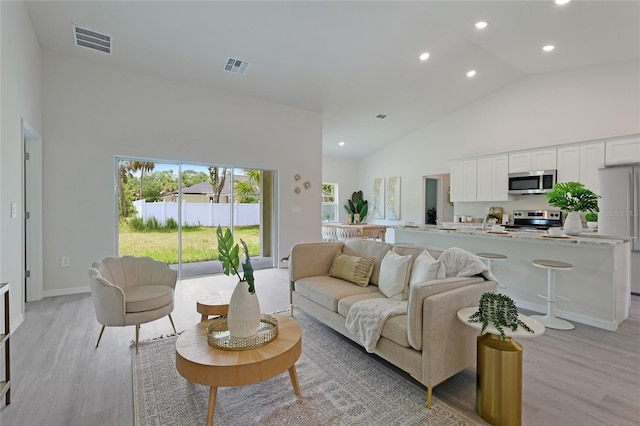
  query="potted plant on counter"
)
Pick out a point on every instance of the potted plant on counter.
point(357, 208)
point(592, 220)
point(573, 198)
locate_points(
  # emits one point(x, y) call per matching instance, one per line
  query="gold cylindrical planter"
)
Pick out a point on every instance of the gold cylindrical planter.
point(499, 380)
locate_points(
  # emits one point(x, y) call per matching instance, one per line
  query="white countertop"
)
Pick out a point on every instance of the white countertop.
point(586, 237)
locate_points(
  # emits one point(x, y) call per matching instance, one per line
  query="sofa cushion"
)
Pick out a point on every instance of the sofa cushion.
point(327, 291)
point(426, 268)
point(368, 248)
point(354, 269)
point(147, 297)
point(415, 250)
point(394, 329)
point(395, 271)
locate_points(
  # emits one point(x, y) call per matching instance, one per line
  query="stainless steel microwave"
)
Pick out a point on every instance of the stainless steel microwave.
point(538, 182)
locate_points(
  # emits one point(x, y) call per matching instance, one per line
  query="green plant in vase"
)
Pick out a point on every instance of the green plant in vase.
point(500, 311)
point(573, 198)
point(357, 205)
point(229, 255)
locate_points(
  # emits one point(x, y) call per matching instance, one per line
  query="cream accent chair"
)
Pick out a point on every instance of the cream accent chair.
point(131, 290)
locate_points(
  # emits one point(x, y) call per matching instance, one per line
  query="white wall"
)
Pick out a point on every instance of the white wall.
point(344, 172)
point(21, 100)
point(92, 113)
point(548, 109)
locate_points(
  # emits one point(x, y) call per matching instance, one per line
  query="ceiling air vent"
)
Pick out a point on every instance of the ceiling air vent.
point(92, 39)
point(236, 66)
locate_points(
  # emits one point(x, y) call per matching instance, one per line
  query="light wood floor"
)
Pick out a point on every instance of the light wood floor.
point(586, 376)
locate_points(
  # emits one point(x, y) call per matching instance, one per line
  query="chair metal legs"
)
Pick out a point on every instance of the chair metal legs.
point(137, 332)
point(172, 325)
point(100, 336)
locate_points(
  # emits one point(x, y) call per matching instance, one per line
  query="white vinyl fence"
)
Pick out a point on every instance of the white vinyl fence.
point(204, 214)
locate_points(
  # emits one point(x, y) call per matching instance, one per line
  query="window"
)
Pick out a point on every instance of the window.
point(330, 202)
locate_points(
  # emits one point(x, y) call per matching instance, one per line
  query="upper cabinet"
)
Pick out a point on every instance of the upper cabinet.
point(623, 151)
point(492, 178)
point(463, 180)
point(580, 163)
point(528, 161)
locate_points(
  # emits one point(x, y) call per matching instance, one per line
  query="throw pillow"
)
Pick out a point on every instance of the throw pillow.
point(356, 270)
point(426, 268)
point(395, 271)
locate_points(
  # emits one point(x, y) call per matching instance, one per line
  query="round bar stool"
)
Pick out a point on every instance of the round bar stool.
point(489, 258)
point(550, 320)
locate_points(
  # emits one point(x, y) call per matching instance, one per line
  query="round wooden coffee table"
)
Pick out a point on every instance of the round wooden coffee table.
point(201, 363)
point(213, 304)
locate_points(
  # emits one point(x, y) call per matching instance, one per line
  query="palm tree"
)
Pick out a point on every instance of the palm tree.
point(248, 190)
point(143, 167)
point(124, 172)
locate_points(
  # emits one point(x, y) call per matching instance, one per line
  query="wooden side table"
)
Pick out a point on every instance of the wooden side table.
point(213, 304)
point(201, 363)
point(499, 370)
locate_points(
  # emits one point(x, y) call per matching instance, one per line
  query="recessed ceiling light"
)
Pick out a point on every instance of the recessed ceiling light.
point(548, 47)
point(481, 25)
point(341, 143)
point(424, 56)
point(561, 2)
point(471, 73)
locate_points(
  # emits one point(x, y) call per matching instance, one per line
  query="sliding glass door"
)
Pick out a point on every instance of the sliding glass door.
point(170, 212)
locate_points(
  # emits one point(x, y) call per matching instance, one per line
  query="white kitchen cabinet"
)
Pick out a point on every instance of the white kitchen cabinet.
point(580, 163)
point(493, 178)
point(592, 158)
point(463, 180)
point(529, 161)
point(520, 162)
point(568, 163)
point(543, 159)
point(623, 151)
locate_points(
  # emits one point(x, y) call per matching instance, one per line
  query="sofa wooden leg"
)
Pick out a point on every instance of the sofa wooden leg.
point(429, 396)
point(172, 325)
point(100, 336)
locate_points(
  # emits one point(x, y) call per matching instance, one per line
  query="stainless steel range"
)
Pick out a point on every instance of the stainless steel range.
point(535, 220)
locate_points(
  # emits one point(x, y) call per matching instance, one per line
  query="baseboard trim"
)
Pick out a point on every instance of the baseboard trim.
point(65, 291)
point(582, 319)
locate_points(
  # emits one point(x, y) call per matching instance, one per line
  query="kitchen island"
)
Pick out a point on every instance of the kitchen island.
point(598, 286)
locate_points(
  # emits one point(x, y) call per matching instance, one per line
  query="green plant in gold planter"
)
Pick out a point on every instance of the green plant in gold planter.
point(500, 311)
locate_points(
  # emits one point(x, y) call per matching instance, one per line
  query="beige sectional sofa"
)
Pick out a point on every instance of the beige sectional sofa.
point(428, 341)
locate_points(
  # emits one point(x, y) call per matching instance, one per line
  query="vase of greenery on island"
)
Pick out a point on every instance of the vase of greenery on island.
point(573, 198)
point(592, 220)
point(243, 318)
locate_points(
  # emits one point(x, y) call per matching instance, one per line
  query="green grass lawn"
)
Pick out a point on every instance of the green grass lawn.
point(199, 244)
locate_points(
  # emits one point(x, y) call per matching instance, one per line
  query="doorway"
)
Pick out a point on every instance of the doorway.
point(437, 206)
point(32, 213)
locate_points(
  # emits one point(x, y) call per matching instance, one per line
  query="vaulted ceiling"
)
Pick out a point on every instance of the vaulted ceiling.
point(351, 60)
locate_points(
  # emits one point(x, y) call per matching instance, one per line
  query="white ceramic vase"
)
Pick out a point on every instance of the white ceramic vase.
point(243, 319)
point(573, 224)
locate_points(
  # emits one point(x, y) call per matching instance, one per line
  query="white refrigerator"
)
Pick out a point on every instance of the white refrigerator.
point(619, 214)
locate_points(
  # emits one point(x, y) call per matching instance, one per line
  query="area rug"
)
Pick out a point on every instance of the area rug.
point(340, 384)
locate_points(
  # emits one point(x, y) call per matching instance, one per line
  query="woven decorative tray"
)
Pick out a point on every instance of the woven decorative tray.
point(219, 337)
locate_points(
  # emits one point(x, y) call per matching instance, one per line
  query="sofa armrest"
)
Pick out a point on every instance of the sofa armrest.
point(418, 292)
point(311, 259)
point(449, 346)
point(108, 300)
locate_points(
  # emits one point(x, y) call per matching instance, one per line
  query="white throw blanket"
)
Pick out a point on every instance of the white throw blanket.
point(461, 263)
point(367, 317)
